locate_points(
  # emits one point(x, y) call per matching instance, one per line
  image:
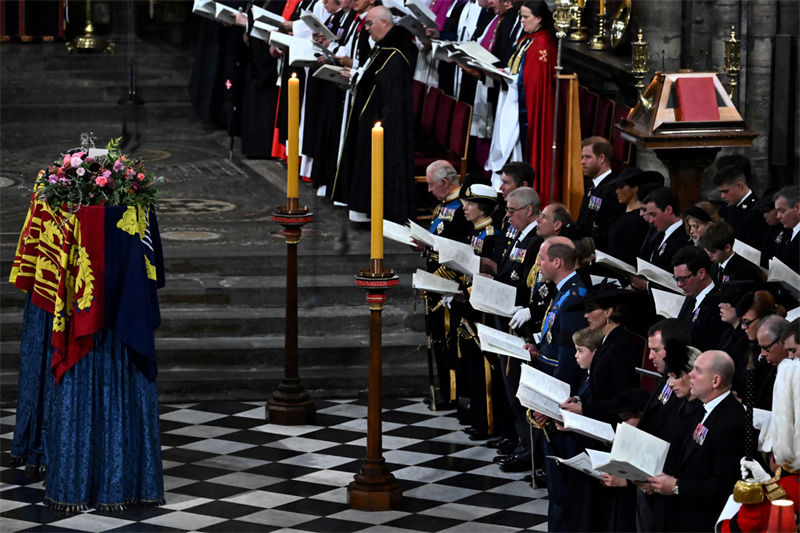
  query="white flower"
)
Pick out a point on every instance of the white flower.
point(75, 162)
point(80, 171)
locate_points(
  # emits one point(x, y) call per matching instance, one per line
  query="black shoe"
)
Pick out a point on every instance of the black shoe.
point(493, 443)
point(516, 464)
point(426, 400)
point(528, 479)
point(442, 405)
point(501, 458)
point(478, 436)
point(507, 447)
point(539, 478)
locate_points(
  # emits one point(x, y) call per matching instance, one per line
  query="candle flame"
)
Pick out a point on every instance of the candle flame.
point(377, 124)
point(294, 75)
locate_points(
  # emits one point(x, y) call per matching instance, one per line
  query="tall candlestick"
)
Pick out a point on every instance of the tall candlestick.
point(602, 7)
point(294, 138)
point(376, 215)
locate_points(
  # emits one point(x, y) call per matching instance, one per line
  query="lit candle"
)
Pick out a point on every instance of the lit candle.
point(294, 137)
point(376, 215)
point(602, 7)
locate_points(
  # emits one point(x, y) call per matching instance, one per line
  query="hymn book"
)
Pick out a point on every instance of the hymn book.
point(414, 27)
point(496, 341)
point(425, 281)
point(458, 256)
point(656, 275)
point(333, 74)
point(542, 392)
point(266, 17)
point(748, 252)
point(421, 235)
point(781, 273)
point(588, 427)
point(668, 304)
point(261, 31)
point(226, 14)
point(635, 455)
point(392, 230)
point(793, 314)
point(317, 26)
point(493, 297)
point(205, 8)
point(580, 462)
point(422, 13)
point(602, 258)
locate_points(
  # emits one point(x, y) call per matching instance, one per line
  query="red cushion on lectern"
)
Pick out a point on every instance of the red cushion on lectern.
point(697, 99)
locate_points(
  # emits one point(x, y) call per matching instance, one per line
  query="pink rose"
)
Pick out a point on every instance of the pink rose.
point(80, 171)
point(102, 181)
point(89, 159)
point(140, 176)
point(106, 173)
point(75, 162)
point(118, 166)
point(52, 179)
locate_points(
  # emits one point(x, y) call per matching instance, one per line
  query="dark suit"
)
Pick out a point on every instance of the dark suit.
point(748, 223)
point(789, 253)
point(737, 269)
point(661, 254)
point(516, 262)
point(599, 210)
point(709, 468)
point(706, 324)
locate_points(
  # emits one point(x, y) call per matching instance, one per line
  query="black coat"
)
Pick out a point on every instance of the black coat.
point(789, 253)
point(707, 472)
point(737, 269)
point(516, 263)
point(626, 236)
point(599, 210)
point(383, 93)
point(612, 372)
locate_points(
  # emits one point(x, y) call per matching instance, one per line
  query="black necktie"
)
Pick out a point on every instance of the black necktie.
point(687, 310)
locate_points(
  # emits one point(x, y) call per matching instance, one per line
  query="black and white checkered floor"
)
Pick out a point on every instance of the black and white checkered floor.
point(226, 470)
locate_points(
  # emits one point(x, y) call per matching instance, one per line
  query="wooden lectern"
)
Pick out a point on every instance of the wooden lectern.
point(664, 121)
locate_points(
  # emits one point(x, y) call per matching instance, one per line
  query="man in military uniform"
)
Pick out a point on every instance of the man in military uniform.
point(448, 221)
point(514, 175)
point(516, 262)
point(600, 207)
point(739, 211)
point(556, 355)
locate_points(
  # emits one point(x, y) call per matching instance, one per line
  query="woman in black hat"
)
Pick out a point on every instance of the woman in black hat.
point(698, 218)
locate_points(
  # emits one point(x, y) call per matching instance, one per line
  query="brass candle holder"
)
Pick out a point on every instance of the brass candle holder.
point(640, 67)
point(733, 61)
point(601, 40)
point(562, 16)
point(579, 33)
point(89, 42)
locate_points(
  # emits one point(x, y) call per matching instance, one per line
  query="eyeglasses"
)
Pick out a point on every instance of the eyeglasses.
point(768, 346)
point(368, 23)
point(683, 279)
point(511, 210)
point(746, 323)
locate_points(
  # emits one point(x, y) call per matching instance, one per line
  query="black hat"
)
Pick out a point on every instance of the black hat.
point(745, 303)
point(679, 358)
point(766, 202)
point(699, 213)
point(636, 177)
point(605, 294)
point(731, 292)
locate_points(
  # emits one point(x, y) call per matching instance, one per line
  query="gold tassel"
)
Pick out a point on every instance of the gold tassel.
point(452, 385)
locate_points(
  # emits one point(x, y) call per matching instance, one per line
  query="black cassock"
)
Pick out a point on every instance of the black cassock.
point(382, 94)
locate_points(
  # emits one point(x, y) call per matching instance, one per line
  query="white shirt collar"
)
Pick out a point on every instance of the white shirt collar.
point(699, 298)
point(599, 179)
point(723, 264)
point(713, 403)
point(564, 281)
point(669, 231)
point(528, 228)
point(744, 198)
point(795, 230)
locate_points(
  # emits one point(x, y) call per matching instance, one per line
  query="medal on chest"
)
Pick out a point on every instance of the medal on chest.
point(439, 228)
point(518, 254)
point(666, 392)
point(477, 244)
point(700, 434)
point(595, 202)
point(447, 213)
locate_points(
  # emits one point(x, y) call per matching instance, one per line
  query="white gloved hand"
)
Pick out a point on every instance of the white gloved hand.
point(446, 301)
point(753, 470)
point(520, 317)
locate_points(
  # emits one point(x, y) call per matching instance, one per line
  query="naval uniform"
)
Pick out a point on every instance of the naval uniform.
point(449, 222)
point(747, 222)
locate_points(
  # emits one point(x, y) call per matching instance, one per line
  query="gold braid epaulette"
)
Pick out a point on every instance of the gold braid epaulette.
point(752, 492)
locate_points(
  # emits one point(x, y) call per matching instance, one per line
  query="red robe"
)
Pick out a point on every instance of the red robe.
point(538, 80)
point(755, 517)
